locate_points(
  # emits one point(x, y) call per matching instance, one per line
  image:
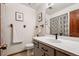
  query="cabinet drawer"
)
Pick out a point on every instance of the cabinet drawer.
point(36, 44)
point(46, 49)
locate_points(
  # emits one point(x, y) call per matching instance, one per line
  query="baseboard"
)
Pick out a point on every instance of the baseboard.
point(16, 53)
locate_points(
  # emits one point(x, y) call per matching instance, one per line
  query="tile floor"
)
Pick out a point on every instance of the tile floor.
point(25, 53)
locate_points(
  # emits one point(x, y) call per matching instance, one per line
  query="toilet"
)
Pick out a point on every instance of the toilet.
point(29, 46)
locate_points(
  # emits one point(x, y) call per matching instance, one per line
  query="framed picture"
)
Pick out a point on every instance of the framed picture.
point(19, 16)
point(39, 17)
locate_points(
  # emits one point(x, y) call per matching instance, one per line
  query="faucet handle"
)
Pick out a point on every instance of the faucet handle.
point(56, 36)
point(61, 34)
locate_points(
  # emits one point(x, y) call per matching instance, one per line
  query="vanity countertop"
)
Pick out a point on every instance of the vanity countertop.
point(69, 46)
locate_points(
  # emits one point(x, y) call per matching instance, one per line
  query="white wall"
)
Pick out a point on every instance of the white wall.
point(47, 26)
point(66, 10)
point(45, 17)
point(8, 17)
point(41, 10)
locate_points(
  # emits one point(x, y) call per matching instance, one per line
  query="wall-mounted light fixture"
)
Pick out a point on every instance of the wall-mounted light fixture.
point(50, 4)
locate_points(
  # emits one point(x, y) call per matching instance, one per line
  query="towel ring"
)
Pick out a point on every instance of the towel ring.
point(11, 25)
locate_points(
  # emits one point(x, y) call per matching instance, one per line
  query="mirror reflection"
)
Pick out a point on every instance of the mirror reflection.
point(63, 20)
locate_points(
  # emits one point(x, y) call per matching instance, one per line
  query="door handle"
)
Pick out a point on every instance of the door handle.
point(3, 47)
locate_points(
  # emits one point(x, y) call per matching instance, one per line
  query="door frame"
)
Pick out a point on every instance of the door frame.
point(0, 28)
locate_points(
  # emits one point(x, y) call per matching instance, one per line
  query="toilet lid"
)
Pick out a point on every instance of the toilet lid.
point(29, 45)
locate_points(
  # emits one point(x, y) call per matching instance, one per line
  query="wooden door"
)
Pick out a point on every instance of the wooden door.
point(74, 23)
point(46, 49)
point(0, 28)
point(37, 51)
point(3, 46)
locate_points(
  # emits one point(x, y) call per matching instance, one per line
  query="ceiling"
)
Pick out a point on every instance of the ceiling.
point(54, 8)
point(35, 6)
point(57, 7)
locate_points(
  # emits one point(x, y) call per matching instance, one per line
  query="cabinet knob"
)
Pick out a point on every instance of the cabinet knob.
point(44, 49)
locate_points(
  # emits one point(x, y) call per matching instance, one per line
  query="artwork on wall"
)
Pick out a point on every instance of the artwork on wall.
point(40, 17)
point(19, 16)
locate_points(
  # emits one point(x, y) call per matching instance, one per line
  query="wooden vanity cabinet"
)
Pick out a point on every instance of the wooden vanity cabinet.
point(41, 49)
point(48, 51)
point(59, 53)
point(37, 51)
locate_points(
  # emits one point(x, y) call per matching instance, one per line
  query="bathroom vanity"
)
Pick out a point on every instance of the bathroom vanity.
point(45, 47)
point(64, 24)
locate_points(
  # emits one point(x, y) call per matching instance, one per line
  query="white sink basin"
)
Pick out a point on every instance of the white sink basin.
point(46, 38)
point(51, 40)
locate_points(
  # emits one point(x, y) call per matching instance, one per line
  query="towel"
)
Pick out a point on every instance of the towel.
point(17, 33)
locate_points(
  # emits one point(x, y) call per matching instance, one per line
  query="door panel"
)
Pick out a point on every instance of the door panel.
point(0, 28)
point(74, 23)
point(2, 42)
point(47, 50)
point(37, 51)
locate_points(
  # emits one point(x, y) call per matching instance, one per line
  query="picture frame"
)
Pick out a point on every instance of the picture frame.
point(40, 17)
point(19, 16)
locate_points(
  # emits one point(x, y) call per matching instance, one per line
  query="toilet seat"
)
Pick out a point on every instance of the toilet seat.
point(29, 46)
